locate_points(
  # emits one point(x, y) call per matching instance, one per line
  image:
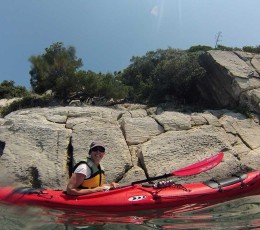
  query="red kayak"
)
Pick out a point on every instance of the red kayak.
point(139, 197)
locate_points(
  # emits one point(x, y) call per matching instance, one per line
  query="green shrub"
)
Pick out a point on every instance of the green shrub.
point(9, 90)
point(252, 49)
point(162, 74)
point(27, 102)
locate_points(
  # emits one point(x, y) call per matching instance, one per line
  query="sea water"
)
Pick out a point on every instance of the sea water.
point(239, 214)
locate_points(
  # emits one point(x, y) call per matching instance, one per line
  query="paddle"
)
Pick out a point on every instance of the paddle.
point(190, 170)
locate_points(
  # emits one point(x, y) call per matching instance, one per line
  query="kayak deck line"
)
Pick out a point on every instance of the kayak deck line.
point(211, 183)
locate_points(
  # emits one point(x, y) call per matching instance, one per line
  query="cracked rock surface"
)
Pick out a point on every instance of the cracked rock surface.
point(38, 145)
point(233, 79)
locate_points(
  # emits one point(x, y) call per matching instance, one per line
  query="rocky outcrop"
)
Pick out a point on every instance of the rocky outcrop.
point(37, 145)
point(233, 79)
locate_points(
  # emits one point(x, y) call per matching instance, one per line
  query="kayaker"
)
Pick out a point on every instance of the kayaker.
point(88, 176)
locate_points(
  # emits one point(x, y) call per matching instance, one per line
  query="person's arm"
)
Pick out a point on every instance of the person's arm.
point(75, 181)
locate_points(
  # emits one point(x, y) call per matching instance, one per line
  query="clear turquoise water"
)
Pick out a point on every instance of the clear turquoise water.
point(239, 214)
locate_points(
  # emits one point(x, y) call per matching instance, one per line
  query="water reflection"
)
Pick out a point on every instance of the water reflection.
point(240, 214)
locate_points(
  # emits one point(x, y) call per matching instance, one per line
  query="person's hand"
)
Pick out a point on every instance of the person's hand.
point(114, 185)
point(106, 188)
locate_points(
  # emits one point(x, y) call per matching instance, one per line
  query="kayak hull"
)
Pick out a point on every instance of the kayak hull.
point(139, 197)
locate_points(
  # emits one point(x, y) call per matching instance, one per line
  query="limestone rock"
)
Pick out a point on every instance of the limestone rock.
point(35, 151)
point(233, 79)
point(171, 120)
point(177, 149)
point(139, 130)
point(38, 145)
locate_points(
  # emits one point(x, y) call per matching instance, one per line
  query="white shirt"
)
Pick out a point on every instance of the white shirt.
point(83, 169)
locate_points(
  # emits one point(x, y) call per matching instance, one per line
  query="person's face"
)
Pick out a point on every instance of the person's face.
point(97, 153)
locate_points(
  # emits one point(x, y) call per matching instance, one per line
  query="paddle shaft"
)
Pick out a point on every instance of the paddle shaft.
point(151, 179)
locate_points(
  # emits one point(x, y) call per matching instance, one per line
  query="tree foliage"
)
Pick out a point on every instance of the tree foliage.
point(58, 70)
point(55, 70)
point(102, 85)
point(199, 48)
point(163, 74)
point(9, 90)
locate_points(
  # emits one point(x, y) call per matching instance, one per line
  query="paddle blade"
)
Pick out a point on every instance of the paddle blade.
point(200, 166)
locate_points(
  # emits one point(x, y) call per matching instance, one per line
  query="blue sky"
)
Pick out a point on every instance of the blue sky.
point(107, 33)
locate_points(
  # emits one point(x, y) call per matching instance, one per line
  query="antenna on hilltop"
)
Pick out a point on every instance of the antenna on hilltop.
point(217, 36)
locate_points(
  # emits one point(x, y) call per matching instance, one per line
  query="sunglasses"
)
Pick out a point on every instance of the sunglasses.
point(98, 148)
